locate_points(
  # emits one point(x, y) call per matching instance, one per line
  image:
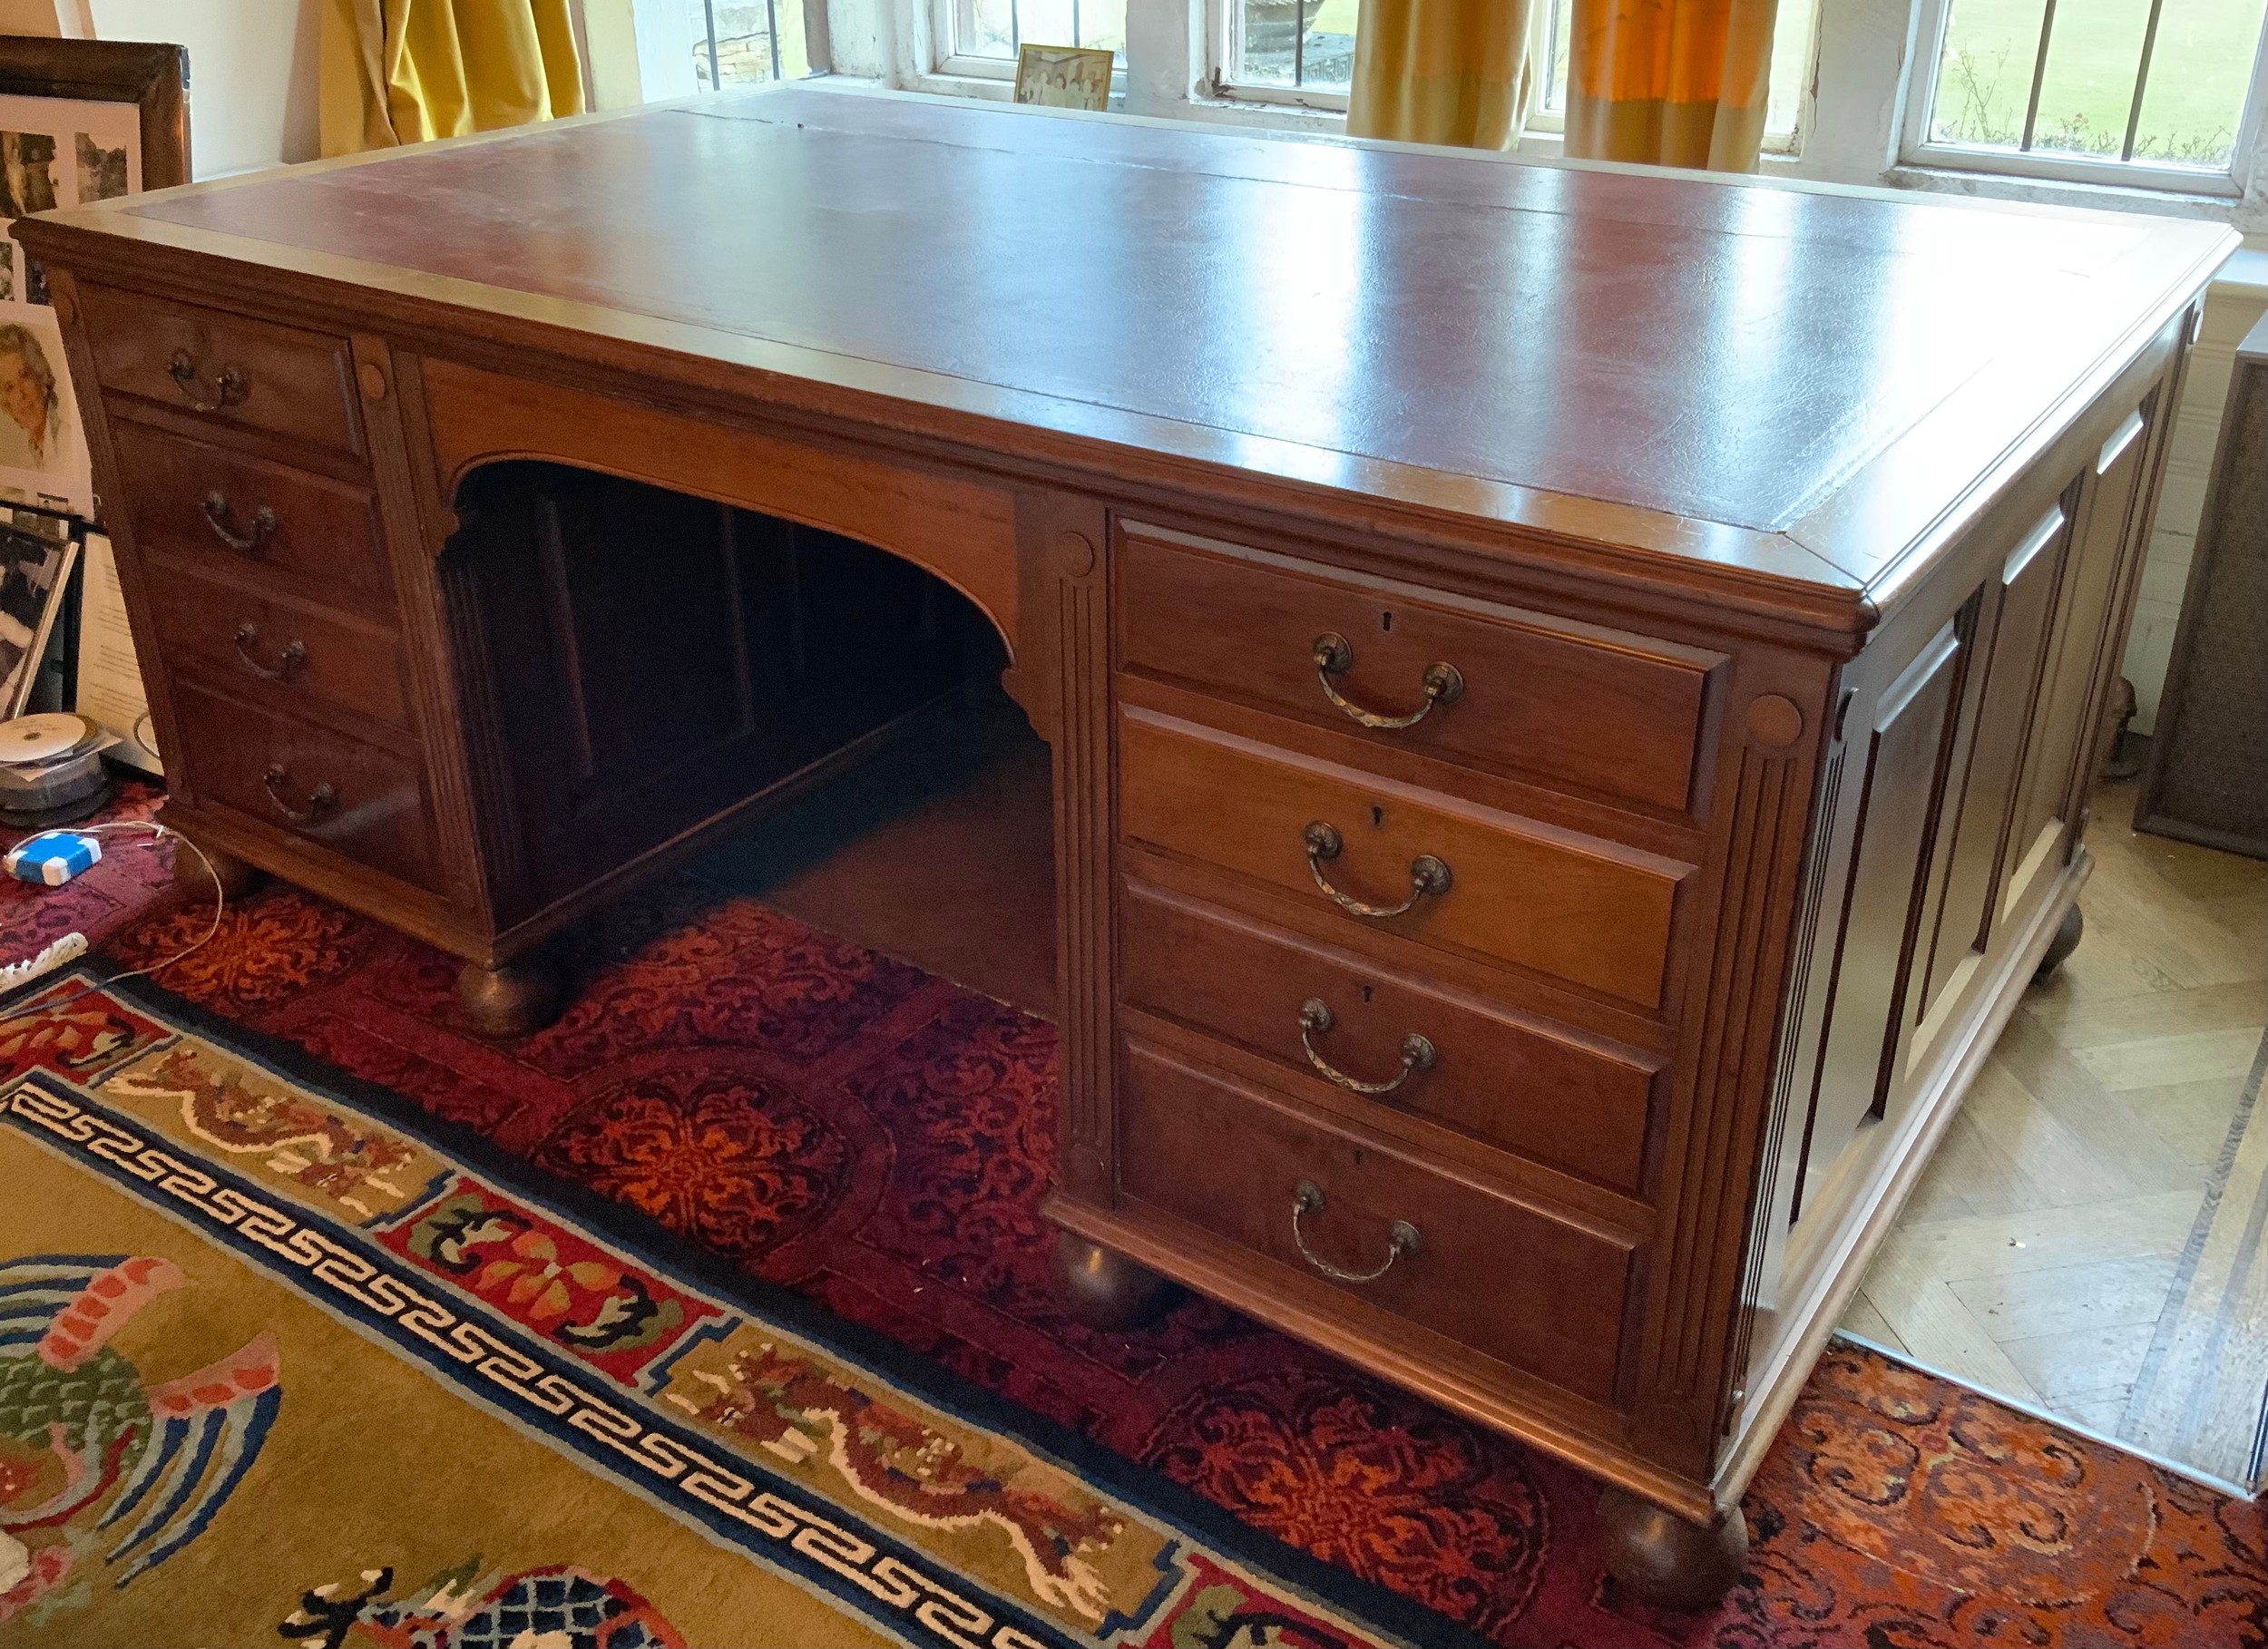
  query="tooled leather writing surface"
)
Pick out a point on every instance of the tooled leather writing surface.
point(1720, 352)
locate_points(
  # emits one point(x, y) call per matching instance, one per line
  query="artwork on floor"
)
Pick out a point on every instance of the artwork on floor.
point(35, 570)
point(107, 685)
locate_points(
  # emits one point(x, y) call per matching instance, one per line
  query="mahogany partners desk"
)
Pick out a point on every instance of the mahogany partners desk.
point(1571, 693)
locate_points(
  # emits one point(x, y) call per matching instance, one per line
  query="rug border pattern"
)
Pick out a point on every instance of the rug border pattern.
point(910, 1595)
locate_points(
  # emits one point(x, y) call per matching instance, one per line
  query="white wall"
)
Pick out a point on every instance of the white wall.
point(252, 74)
point(2232, 311)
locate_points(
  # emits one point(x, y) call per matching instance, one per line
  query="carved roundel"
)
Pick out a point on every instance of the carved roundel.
point(1074, 554)
point(1774, 722)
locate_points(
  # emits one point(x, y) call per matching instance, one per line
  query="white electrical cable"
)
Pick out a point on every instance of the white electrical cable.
point(158, 833)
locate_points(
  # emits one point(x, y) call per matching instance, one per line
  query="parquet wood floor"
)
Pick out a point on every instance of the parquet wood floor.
point(938, 851)
point(2089, 1238)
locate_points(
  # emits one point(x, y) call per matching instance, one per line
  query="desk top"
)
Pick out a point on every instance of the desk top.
point(1793, 378)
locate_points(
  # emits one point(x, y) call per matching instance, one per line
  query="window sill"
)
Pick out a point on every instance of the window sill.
point(998, 89)
point(2045, 192)
point(1266, 113)
point(1299, 119)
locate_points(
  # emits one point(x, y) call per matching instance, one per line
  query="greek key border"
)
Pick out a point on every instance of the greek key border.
point(885, 1583)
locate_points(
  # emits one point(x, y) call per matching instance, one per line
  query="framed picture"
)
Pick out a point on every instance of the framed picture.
point(108, 679)
point(34, 570)
point(1063, 77)
point(80, 120)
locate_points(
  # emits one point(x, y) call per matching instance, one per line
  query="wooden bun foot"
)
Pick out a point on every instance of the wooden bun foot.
point(1106, 1290)
point(2060, 948)
point(1661, 1560)
point(237, 877)
point(515, 1001)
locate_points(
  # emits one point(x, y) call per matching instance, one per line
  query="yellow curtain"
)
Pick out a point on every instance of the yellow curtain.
point(1676, 83)
point(402, 71)
point(1441, 71)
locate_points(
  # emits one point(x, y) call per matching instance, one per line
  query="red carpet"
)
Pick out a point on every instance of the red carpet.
point(878, 1141)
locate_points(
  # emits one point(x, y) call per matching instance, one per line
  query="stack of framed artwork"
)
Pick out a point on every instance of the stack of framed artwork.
point(81, 121)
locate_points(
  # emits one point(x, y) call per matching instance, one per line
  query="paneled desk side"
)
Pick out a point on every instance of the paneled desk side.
point(1582, 909)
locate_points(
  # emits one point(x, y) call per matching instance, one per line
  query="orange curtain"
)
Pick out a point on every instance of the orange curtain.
point(1675, 82)
point(1441, 71)
point(404, 71)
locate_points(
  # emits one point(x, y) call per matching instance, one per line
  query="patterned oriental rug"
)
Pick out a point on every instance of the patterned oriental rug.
point(180, 1307)
point(719, 1312)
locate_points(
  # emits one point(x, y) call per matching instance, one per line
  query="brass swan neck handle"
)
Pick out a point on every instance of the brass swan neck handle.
point(1401, 1238)
point(1334, 656)
point(1429, 874)
point(1418, 1052)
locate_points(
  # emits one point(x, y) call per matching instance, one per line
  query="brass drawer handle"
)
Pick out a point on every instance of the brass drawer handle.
point(1401, 1238)
point(288, 662)
point(228, 390)
point(1315, 1018)
point(1334, 656)
point(1427, 874)
point(216, 509)
point(320, 803)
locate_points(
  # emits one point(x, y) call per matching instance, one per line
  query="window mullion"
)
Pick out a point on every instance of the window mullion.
point(1550, 53)
point(2039, 73)
point(2141, 78)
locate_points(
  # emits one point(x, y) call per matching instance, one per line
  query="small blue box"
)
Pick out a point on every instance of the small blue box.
point(53, 857)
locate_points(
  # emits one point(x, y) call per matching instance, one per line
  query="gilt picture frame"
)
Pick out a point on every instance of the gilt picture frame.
point(81, 121)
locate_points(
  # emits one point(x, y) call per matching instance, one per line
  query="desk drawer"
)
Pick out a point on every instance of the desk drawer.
point(227, 368)
point(1516, 1283)
point(1585, 910)
point(363, 803)
point(1620, 716)
point(1559, 1097)
point(298, 649)
point(190, 498)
